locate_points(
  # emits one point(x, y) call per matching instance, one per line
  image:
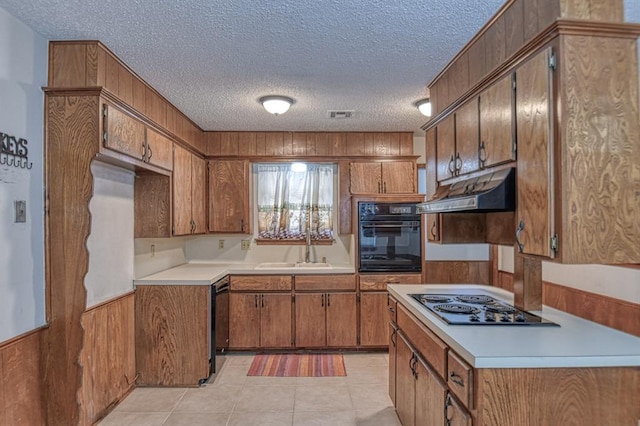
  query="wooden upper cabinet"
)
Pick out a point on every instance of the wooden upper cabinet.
point(366, 178)
point(446, 148)
point(535, 147)
point(123, 133)
point(159, 150)
point(399, 177)
point(496, 124)
point(199, 194)
point(189, 178)
point(229, 196)
point(432, 226)
point(386, 177)
point(467, 134)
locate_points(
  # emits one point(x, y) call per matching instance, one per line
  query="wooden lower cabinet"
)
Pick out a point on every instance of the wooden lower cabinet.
point(432, 390)
point(326, 320)
point(260, 320)
point(172, 334)
point(373, 319)
point(393, 344)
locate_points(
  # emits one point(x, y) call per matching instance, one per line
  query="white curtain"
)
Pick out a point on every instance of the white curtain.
point(289, 201)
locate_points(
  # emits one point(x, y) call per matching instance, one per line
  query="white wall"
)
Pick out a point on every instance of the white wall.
point(110, 243)
point(23, 71)
point(613, 281)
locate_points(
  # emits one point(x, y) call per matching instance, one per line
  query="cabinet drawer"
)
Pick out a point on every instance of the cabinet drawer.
point(325, 282)
point(460, 379)
point(392, 308)
point(261, 282)
point(379, 282)
point(432, 349)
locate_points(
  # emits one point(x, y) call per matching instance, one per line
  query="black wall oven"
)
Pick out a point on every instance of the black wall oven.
point(389, 237)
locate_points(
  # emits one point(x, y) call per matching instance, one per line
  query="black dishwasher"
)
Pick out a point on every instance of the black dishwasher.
point(219, 341)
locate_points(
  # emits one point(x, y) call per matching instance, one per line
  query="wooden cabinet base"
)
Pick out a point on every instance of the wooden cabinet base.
point(172, 342)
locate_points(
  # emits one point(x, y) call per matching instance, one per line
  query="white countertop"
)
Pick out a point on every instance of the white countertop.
point(576, 343)
point(207, 273)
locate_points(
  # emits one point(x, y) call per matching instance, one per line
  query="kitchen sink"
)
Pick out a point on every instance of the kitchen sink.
point(287, 265)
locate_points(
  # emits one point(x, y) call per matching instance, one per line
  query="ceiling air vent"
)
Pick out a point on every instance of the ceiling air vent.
point(340, 114)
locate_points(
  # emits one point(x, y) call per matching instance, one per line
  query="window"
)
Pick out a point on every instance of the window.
point(293, 198)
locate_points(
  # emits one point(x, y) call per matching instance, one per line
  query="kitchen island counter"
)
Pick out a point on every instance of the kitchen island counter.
point(201, 273)
point(575, 343)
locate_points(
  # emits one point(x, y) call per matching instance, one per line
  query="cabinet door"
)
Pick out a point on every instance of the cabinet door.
point(172, 340)
point(365, 178)
point(445, 149)
point(433, 227)
point(275, 321)
point(373, 319)
point(229, 196)
point(198, 194)
point(405, 383)
point(181, 191)
point(467, 137)
point(393, 343)
point(496, 124)
point(310, 320)
point(399, 177)
point(159, 150)
point(535, 171)
point(342, 320)
point(244, 320)
point(123, 133)
point(456, 415)
point(430, 396)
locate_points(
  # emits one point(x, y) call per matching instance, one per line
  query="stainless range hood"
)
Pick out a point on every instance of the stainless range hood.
point(491, 192)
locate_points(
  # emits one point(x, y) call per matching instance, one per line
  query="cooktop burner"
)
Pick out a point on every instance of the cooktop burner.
point(476, 309)
point(456, 308)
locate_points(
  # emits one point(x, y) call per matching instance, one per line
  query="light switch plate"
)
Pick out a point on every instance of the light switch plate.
point(21, 211)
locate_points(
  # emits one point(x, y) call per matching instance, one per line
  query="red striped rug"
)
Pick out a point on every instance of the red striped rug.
point(297, 365)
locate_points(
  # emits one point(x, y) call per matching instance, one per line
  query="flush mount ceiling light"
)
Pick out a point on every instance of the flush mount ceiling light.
point(276, 105)
point(424, 105)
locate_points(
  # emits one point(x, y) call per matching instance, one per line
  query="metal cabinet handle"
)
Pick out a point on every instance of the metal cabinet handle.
point(518, 231)
point(328, 300)
point(144, 151)
point(384, 187)
point(262, 300)
point(482, 155)
point(390, 308)
point(447, 404)
point(456, 379)
point(379, 187)
point(451, 165)
point(322, 303)
point(255, 299)
point(458, 164)
point(433, 229)
point(394, 337)
point(150, 151)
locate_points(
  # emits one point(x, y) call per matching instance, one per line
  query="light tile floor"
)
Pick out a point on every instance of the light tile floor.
point(234, 399)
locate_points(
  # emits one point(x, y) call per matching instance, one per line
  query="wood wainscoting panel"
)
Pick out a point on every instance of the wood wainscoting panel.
point(615, 313)
point(558, 396)
point(107, 358)
point(20, 380)
point(457, 272)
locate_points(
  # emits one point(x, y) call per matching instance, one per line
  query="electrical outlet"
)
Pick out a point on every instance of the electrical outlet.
point(153, 250)
point(245, 244)
point(220, 244)
point(21, 211)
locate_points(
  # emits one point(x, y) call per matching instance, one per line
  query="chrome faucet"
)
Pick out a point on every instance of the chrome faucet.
point(307, 251)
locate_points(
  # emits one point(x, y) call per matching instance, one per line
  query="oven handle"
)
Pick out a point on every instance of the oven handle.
point(390, 226)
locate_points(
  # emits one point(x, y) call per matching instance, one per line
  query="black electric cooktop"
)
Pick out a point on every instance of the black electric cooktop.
point(477, 309)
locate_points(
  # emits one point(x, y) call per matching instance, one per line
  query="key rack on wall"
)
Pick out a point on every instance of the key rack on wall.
point(14, 152)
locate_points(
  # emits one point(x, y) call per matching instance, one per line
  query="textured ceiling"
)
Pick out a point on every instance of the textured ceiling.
point(214, 59)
